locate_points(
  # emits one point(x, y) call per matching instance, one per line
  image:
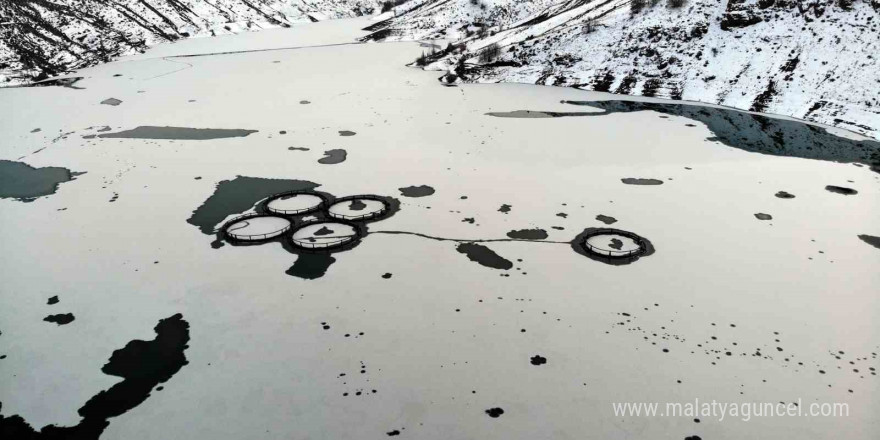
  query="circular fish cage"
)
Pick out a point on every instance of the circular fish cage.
point(295, 203)
point(255, 228)
point(613, 243)
point(358, 208)
point(325, 235)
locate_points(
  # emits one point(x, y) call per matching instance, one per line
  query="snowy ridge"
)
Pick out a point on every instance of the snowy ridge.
point(816, 61)
point(43, 38)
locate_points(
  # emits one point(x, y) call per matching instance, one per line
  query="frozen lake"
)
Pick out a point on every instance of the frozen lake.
point(466, 298)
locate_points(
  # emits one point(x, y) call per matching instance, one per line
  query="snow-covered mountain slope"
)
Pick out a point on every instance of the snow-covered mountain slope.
point(42, 38)
point(814, 60)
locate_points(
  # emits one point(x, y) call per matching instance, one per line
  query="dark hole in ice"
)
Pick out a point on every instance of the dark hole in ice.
point(745, 131)
point(346, 133)
point(494, 412)
point(178, 133)
point(640, 181)
point(606, 219)
point(238, 195)
point(141, 364)
point(310, 266)
point(870, 239)
point(528, 234)
point(484, 256)
point(60, 319)
point(111, 101)
point(538, 360)
point(417, 191)
point(841, 190)
point(25, 183)
point(784, 195)
point(762, 216)
point(333, 157)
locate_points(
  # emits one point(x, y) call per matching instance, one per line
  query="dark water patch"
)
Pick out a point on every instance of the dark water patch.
point(484, 256)
point(494, 412)
point(60, 319)
point(346, 133)
point(298, 149)
point(53, 300)
point(393, 433)
point(505, 208)
point(417, 191)
point(870, 239)
point(357, 205)
point(615, 244)
point(606, 219)
point(36, 130)
point(311, 266)
point(178, 133)
point(238, 195)
point(749, 132)
point(784, 195)
point(841, 190)
point(111, 101)
point(141, 364)
point(528, 234)
point(386, 275)
point(538, 360)
point(25, 183)
point(333, 157)
point(762, 216)
point(639, 181)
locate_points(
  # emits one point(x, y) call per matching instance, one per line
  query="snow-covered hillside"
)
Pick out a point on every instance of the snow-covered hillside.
point(812, 60)
point(42, 38)
point(816, 59)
